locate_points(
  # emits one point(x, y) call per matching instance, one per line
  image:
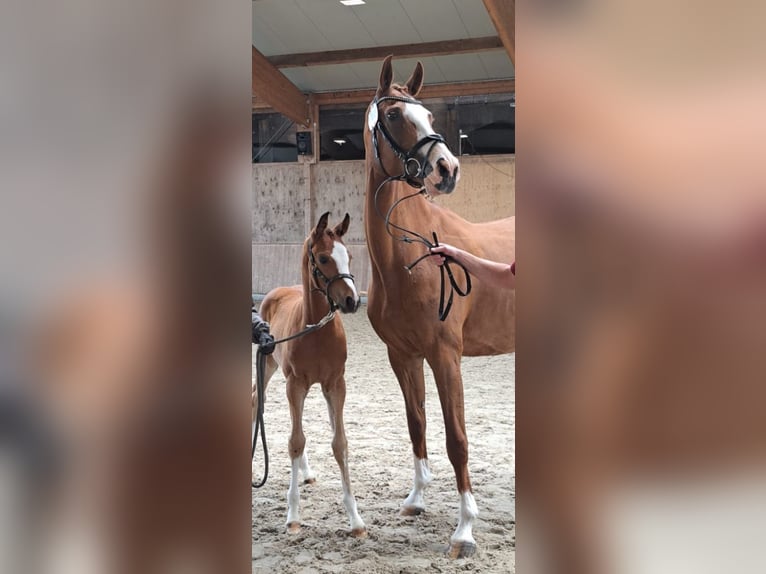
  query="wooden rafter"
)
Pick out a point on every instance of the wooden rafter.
point(422, 50)
point(272, 88)
point(428, 91)
point(503, 15)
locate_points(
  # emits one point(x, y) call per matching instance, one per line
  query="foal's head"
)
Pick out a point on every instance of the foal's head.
point(328, 261)
point(409, 124)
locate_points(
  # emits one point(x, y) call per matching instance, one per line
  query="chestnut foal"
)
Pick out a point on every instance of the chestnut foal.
point(319, 356)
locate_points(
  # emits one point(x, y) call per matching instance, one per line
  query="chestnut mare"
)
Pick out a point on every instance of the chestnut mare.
point(402, 306)
point(319, 356)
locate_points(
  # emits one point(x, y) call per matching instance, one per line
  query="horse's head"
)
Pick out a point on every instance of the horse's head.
point(401, 134)
point(328, 260)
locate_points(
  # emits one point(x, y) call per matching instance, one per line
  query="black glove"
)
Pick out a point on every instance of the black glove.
point(261, 335)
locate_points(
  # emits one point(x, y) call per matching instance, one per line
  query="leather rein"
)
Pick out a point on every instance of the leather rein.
point(412, 171)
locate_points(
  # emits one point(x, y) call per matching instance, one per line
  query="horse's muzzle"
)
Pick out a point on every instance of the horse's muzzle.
point(350, 305)
point(449, 176)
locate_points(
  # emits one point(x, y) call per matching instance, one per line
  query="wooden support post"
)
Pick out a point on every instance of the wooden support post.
point(503, 16)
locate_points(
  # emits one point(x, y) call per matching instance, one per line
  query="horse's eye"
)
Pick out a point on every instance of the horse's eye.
point(324, 260)
point(393, 114)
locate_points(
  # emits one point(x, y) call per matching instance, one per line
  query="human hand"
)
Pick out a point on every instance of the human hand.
point(440, 253)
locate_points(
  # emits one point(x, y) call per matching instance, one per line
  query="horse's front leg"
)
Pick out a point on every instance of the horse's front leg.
point(335, 395)
point(297, 390)
point(409, 373)
point(446, 367)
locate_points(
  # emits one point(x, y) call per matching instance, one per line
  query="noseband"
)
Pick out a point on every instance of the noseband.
point(316, 273)
point(413, 168)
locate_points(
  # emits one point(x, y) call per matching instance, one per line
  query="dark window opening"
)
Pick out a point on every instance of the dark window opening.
point(471, 125)
point(341, 133)
point(487, 126)
point(274, 139)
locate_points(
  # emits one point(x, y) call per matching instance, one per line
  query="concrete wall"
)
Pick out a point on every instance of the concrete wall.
point(289, 198)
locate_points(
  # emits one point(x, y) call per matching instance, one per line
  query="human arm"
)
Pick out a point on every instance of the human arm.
point(491, 272)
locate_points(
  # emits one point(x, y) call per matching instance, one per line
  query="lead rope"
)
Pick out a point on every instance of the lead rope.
point(418, 238)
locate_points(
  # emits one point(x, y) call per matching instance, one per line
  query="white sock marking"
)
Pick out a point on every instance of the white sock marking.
point(468, 512)
point(308, 474)
point(354, 519)
point(422, 479)
point(293, 494)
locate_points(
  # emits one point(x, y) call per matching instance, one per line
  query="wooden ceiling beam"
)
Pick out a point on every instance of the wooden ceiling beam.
point(428, 91)
point(422, 50)
point(503, 16)
point(271, 87)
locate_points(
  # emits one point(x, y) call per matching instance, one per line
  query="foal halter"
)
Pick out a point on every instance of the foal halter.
point(316, 273)
point(412, 170)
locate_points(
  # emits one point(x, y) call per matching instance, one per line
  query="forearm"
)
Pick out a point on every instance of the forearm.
point(490, 272)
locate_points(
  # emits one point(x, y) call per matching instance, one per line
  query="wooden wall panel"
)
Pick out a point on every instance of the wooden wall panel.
point(280, 202)
point(340, 190)
point(486, 190)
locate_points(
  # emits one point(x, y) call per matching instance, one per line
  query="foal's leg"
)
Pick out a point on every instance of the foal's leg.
point(449, 382)
point(297, 390)
point(409, 372)
point(335, 395)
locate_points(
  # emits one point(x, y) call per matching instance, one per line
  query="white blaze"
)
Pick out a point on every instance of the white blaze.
point(420, 117)
point(340, 255)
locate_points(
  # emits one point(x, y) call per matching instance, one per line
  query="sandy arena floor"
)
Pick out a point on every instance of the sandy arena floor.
point(381, 473)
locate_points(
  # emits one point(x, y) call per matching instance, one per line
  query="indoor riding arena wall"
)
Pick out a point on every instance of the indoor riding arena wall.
point(288, 198)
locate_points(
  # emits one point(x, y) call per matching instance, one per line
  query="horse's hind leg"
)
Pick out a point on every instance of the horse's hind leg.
point(449, 382)
point(409, 373)
point(296, 396)
point(335, 395)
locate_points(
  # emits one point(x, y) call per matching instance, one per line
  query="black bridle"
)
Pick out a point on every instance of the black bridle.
point(413, 172)
point(317, 273)
point(413, 168)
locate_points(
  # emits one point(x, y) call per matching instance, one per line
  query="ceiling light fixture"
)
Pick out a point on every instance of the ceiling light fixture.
point(339, 141)
point(352, 2)
point(463, 136)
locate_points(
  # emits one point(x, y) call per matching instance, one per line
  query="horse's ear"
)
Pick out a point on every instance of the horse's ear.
point(341, 229)
point(321, 225)
point(416, 80)
point(386, 75)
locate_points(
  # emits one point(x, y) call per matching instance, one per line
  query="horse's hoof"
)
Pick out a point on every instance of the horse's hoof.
point(359, 533)
point(461, 550)
point(412, 510)
point(310, 480)
point(293, 527)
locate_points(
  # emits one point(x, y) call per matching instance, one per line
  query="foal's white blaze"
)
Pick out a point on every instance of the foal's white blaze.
point(468, 512)
point(422, 478)
point(340, 255)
